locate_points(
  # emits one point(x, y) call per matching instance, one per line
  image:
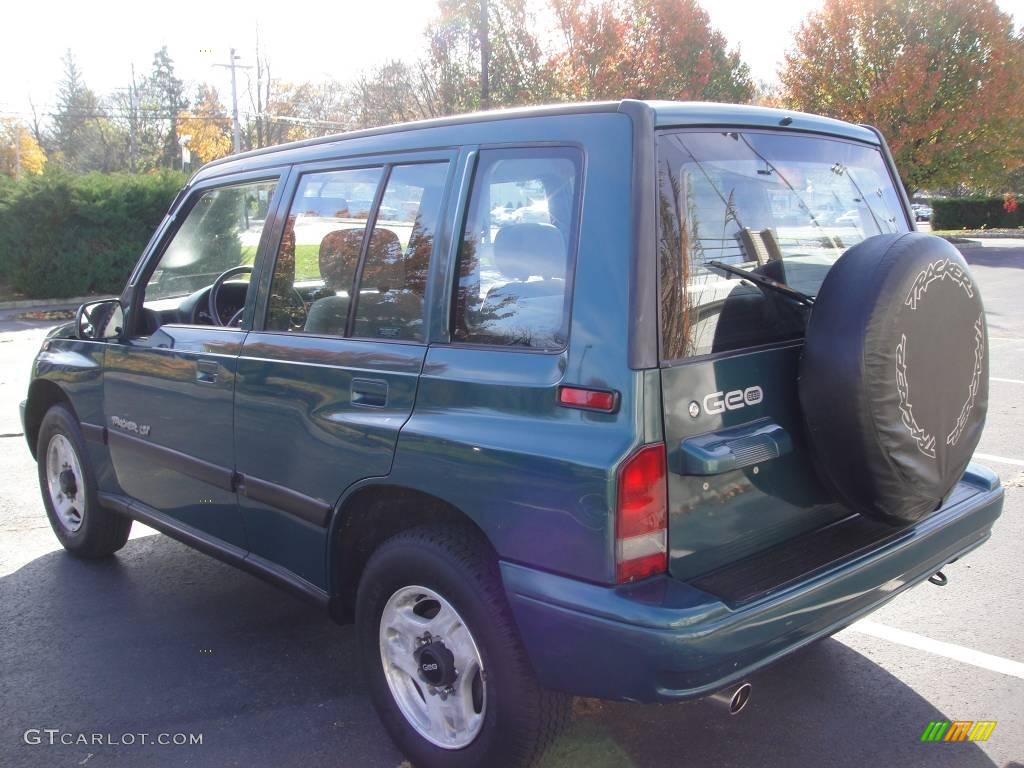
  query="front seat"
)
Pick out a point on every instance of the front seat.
point(339, 255)
point(388, 308)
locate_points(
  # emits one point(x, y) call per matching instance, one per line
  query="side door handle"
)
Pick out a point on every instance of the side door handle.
point(371, 393)
point(206, 371)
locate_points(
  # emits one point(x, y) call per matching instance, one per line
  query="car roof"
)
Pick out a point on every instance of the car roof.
point(661, 114)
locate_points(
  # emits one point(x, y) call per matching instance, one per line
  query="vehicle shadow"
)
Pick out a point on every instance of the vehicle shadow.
point(161, 639)
point(825, 705)
point(994, 257)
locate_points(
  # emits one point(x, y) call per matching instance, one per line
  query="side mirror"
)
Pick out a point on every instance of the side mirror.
point(100, 320)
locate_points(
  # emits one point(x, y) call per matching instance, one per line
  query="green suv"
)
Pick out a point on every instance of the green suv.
point(622, 400)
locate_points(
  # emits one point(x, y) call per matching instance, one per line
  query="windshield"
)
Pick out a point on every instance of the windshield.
point(784, 206)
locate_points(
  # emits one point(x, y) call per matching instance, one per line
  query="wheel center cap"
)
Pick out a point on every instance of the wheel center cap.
point(68, 485)
point(436, 664)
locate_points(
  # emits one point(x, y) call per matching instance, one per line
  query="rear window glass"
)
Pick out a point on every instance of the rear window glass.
point(781, 205)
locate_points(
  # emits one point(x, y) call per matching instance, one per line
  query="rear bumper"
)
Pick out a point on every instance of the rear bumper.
point(664, 640)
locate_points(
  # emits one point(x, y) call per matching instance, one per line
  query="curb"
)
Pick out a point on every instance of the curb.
point(73, 301)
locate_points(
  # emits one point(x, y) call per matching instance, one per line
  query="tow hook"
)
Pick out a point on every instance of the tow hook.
point(938, 579)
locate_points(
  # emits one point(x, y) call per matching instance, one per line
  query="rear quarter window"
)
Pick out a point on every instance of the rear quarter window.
point(517, 250)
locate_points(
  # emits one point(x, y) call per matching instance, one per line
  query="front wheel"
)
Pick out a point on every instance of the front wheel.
point(441, 653)
point(83, 527)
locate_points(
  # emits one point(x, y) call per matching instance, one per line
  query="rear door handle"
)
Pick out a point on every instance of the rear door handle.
point(734, 448)
point(206, 371)
point(371, 393)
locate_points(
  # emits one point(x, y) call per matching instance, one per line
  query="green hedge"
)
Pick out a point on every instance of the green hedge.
point(63, 235)
point(976, 213)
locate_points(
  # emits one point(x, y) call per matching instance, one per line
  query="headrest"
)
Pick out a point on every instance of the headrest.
point(384, 268)
point(339, 254)
point(522, 251)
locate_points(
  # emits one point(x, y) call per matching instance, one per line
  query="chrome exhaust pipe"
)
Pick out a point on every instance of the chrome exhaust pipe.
point(732, 700)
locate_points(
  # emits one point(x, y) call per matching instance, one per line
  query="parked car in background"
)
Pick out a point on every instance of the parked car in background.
point(922, 212)
point(574, 400)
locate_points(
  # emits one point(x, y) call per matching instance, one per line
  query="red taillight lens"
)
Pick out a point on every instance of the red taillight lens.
point(593, 399)
point(641, 533)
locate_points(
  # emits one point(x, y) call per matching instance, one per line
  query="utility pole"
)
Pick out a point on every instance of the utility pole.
point(133, 118)
point(235, 128)
point(485, 58)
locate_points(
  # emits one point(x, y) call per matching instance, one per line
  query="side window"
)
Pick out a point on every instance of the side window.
point(393, 279)
point(515, 259)
point(221, 231)
point(316, 262)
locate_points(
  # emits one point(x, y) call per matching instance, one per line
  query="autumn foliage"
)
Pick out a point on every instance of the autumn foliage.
point(646, 49)
point(20, 153)
point(208, 127)
point(941, 79)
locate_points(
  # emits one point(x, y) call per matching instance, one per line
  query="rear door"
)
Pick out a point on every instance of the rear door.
point(328, 376)
point(785, 206)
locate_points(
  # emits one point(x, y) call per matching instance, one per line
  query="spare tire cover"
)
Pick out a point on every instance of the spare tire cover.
point(894, 375)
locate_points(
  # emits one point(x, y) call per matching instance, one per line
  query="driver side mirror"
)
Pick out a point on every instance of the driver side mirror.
point(100, 320)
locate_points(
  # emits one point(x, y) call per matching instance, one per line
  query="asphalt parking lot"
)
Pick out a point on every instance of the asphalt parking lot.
point(161, 639)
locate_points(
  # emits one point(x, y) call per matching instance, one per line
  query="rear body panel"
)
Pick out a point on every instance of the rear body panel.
point(666, 640)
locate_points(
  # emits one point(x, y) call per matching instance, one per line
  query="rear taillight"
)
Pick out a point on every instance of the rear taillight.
point(641, 535)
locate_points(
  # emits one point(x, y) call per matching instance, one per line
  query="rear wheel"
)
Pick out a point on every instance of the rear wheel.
point(441, 653)
point(83, 527)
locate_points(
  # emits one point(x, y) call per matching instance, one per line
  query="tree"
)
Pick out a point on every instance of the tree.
point(451, 73)
point(208, 126)
point(664, 49)
point(518, 67)
point(20, 153)
point(286, 111)
point(940, 78)
point(165, 99)
point(294, 111)
point(453, 58)
point(83, 136)
point(395, 92)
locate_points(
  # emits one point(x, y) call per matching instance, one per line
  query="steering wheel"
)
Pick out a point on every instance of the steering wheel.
point(215, 292)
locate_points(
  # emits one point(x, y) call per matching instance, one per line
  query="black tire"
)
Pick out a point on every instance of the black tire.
point(894, 375)
point(102, 531)
point(521, 719)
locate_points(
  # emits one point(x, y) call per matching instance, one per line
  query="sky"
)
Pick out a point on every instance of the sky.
point(318, 40)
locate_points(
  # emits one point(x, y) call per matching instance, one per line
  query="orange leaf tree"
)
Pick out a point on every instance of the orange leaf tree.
point(941, 79)
point(208, 125)
point(19, 151)
point(650, 49)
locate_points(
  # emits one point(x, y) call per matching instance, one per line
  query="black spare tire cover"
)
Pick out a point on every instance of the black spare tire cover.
point(894, 375)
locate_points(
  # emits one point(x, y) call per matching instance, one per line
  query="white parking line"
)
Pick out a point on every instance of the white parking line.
point(939, 648)
point(999, 459)
point(1008, 381)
